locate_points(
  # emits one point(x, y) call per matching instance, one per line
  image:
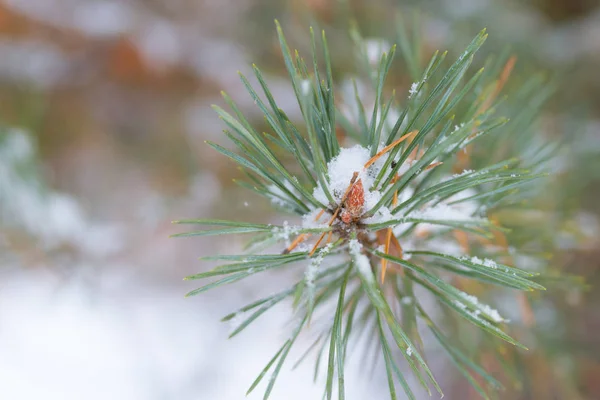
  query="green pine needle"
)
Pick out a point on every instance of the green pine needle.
point(456, 157)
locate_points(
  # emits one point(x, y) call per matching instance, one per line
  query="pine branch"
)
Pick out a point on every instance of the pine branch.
point(410, 185)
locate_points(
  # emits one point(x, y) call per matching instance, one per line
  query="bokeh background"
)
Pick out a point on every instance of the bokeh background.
point(104, 109)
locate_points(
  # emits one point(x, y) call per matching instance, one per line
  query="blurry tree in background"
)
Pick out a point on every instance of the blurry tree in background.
point(105, 106)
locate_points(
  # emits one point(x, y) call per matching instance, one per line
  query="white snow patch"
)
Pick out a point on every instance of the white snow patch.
point(383, 214)
point(310, 220)
point(405, 194)
point(480, 308)
point(285, 232)
point(312, 269)
point(485, 262)
point(301, 248)
point(414, 88)
point(362, 262)
point(458, 127)
point(465, 172)
point(340, 171)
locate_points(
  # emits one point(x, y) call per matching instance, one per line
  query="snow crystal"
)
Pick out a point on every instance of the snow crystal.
point(409, 351)
point(485, 262)
point(458, 127)
point(465, 172)
point(492, 313)
point(355, 247)
point(362, 262)
point(460, 304)
point(313, 267)
point(285, 232)
point(301, 248)
point(246, 204)
point(406, 300)
point(413, 89)
point(480, 308)
point(311, 271)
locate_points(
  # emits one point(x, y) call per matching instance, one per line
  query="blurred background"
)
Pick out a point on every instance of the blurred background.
point(104, 109)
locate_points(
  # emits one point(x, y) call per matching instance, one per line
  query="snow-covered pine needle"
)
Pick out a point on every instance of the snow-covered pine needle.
point(368, 192)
